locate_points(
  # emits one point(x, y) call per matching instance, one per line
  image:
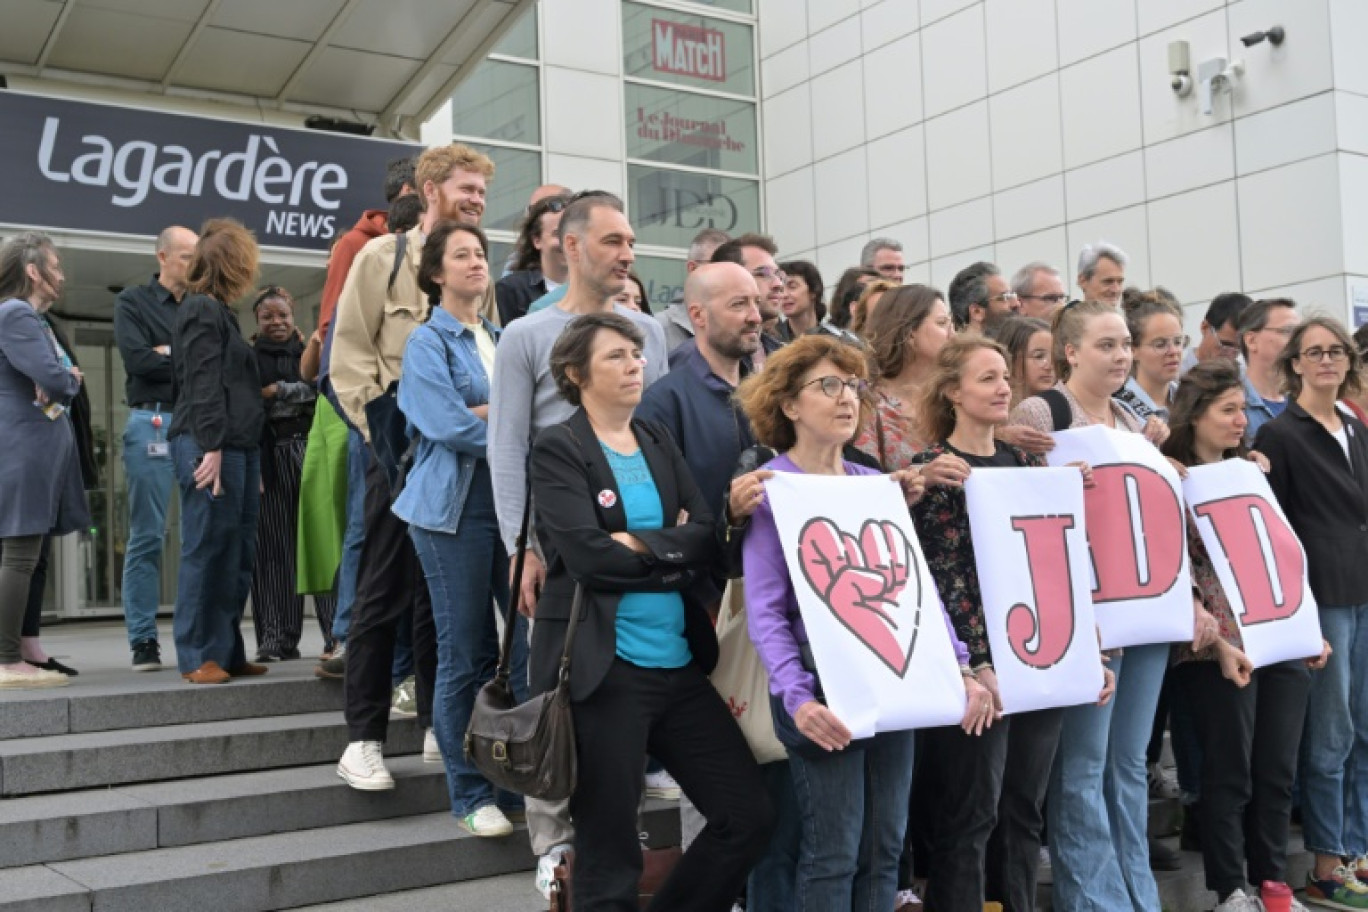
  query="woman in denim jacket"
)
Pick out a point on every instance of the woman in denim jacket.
point(448, 502)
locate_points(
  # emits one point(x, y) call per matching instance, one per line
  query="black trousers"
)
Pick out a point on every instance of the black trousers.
point(1250, 737)
point(970, 779)
point(277, 607)
point(922, 808)
point(390, 590)
point(677, 717)
point(33, 610)
point(1014, 848)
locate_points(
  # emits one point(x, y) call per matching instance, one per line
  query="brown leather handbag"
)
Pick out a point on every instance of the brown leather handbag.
point(656, 865)
point(527, 748)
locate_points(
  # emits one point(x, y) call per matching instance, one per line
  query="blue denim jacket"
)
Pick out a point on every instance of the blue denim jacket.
point(443, 379)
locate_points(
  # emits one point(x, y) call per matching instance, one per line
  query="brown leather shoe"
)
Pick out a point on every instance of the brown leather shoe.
point(249, 670)
point(208, 673)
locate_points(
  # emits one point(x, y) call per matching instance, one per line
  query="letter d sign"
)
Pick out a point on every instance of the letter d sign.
point(1264, 555)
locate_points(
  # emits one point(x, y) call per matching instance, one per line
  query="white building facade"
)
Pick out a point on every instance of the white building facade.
point(1000, 130)
point(1015, 130)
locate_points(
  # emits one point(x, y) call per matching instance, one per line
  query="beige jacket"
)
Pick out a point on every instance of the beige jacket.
point(374, 323)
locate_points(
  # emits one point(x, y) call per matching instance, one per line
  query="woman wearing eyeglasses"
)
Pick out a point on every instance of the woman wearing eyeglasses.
point(1318, 468)
point(807, 404)
point(1156, 328)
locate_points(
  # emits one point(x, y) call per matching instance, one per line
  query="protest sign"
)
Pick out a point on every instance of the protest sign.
point(1031, 548)
point(1258, 559)
point(872, 614)
point(1141, 584)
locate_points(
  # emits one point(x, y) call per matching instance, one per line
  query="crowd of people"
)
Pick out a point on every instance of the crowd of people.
point(386, 464)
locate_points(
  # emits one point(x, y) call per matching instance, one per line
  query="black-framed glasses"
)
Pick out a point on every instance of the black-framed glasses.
point(1052, 299)
point(1316, 354)
point(832, 385)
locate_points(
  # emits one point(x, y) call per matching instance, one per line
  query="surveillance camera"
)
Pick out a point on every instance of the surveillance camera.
point(1273, 36)
point(1181, 83)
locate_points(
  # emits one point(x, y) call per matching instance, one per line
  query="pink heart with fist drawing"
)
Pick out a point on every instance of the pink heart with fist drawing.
point(862, 582)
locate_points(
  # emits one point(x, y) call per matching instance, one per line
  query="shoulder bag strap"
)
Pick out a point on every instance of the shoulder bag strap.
point(515, 586)
point(1061, 416)
point(400, 246)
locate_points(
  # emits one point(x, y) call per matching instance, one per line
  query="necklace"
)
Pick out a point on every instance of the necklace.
point(1109, 421)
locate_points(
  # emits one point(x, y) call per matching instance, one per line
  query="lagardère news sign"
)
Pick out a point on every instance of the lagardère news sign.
point(92, 167)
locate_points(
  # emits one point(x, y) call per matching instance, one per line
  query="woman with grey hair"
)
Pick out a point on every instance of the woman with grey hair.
point(40, 476)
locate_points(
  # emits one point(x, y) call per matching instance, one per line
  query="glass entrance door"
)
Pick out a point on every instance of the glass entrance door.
point(89, 569)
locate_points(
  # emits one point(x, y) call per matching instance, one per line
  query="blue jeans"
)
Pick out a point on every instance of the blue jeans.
point(1099, 799)
point(218, 550)
point(467, 574)
point(772, 880)
point(1334, 750)
point(854, 813)
point(149, 492)
point(354, 535)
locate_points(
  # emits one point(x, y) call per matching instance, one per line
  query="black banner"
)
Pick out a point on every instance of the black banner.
point(95, 167)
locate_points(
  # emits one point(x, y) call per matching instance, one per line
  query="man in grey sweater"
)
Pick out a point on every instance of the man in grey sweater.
point(597, 240)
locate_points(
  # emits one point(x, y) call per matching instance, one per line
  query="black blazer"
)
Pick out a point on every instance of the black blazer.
point(1325, 500)
point(568, 473)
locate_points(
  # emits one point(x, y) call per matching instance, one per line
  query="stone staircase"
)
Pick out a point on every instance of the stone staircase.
point(143, 793)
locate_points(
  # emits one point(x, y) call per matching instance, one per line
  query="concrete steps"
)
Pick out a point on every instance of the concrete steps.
point(151, 701)
point(143, 793)
point(134, 818)
point(92, 759)
point(278, 871)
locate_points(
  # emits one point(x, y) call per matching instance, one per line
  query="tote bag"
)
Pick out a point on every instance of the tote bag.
point(741, 679)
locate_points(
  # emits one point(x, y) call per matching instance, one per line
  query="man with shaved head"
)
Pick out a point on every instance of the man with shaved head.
point(144, 317)
point(694, 400)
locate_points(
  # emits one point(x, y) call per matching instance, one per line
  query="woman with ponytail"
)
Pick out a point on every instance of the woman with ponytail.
point(448, 502)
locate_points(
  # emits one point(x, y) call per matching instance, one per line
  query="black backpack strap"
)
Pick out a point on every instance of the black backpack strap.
point(1061, 416)
point(400, 247)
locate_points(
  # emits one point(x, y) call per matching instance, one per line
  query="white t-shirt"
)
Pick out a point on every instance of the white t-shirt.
point(1342, 435)
point(484, 344)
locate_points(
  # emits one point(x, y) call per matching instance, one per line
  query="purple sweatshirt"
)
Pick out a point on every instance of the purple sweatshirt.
point(775, 624)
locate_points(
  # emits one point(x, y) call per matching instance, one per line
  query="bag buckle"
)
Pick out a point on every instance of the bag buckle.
point(499, 751)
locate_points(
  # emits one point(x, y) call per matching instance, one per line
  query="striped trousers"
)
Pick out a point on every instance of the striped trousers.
point(277, 609)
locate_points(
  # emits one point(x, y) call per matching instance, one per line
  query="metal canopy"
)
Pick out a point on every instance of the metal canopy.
point(387, 63)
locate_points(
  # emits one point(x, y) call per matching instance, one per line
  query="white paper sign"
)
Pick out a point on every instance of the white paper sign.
point(1258, 559)
point(1031, 548)
point(1141, 584)
point(871, 610)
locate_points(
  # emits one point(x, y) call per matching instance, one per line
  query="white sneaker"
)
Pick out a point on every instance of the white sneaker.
point(432, 751)
point(23, 676)
point(546, 869)
point(662, 785)
point(906, 899)
point(1239, 902)
point(404, 699)
point(1044, 870)
point(487, 821)
point(363, 767)
point(1163, 783)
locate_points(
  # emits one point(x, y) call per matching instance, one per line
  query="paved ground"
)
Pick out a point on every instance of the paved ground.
point(99, 651)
